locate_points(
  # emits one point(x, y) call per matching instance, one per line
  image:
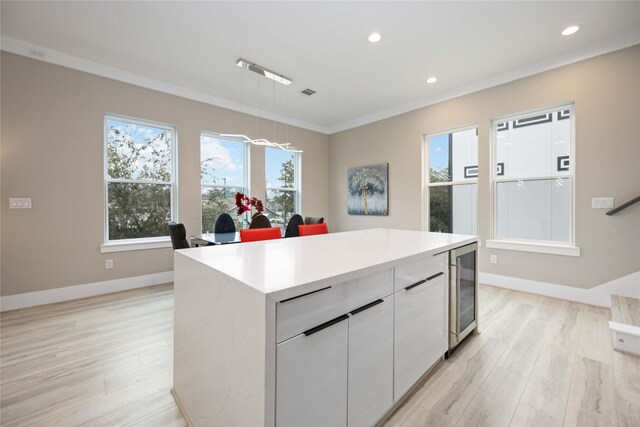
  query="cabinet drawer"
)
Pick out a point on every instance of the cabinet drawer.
point(299, 314)
point(412, 272)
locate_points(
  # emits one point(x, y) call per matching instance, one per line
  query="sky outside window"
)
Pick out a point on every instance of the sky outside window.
point(145, 144)
point(222, 161)
point(439, 155)
point(275, 158)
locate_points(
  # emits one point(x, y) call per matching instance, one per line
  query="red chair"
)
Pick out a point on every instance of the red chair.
point(311, 229)
point(255, 234)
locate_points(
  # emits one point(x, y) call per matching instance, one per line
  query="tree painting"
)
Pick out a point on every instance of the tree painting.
point(368, 190)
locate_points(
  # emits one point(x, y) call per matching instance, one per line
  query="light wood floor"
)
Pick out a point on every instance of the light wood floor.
point(107, 361)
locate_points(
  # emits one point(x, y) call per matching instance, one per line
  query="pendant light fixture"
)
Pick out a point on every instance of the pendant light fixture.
point(277, 77)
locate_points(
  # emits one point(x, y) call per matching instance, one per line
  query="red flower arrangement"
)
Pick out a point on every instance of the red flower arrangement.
point(244, 203)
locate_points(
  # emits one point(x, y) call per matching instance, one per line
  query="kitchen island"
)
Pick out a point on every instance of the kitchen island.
point(322, 330)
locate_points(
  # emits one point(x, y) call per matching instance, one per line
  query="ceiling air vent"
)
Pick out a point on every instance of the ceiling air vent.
point(308, 92)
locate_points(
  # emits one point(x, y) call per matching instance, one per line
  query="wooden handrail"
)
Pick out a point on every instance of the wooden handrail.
point(624, 206)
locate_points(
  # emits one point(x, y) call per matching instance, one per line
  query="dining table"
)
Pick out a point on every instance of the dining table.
point(213, 239)
point(210, 239)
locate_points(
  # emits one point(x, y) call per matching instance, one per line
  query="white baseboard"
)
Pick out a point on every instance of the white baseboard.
point(626, 338)
point(30, 299)
point(628, 286)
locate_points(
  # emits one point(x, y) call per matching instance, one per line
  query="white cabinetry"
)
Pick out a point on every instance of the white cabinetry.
point(410, 338)
point(311, 385)
point(349, 370)
point(339, 372)
point(370, 362)
point(420, 330)
point(437, 318)
point(298, 314)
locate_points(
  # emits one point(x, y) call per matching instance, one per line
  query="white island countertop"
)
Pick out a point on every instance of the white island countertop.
point(282, 269)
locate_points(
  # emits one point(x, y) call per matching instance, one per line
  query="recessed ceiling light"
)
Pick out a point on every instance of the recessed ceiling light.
point(374, 37)
point(431, 80)
point(571, 30)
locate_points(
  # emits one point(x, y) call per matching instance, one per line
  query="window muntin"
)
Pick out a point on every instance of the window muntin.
point(533, 181)
point(282, 170)
point(139, 178)
point(223, 173)
point(452, 189)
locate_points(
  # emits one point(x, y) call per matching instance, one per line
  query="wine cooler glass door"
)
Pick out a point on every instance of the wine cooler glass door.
point(467, 301)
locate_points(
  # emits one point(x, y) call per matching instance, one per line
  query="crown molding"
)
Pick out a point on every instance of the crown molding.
point(51, 56)
point(622, 42)
point(40, 53)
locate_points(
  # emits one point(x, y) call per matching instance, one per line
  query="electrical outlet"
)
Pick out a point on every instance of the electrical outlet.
point(109, 264)
point(493, 259)
point(20, 203)
point(602, 202)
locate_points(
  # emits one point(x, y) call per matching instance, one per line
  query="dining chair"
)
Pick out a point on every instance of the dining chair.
point(313, 219)
point(260, 221)
point(178, 235)
point(224, 224)
point(312, 229)
point(253, 235)
point(292, 226)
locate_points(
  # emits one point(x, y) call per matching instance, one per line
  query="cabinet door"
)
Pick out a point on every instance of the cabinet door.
point(311, 377)
point(437, 318)
point(370, 362)
point(410, 360)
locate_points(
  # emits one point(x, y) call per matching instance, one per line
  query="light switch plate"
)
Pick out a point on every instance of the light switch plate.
point(20, 203)
point(602, 202)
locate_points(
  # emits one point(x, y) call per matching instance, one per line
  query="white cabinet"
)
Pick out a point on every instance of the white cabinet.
point(410, 338)
point(370, 391)
point(437, 318)
point(300, 313)
point(311, 388)
point(420, 330)
point(349, 371)
point(340, 372)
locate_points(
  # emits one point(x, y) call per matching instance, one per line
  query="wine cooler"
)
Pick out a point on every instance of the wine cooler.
point(463, 293)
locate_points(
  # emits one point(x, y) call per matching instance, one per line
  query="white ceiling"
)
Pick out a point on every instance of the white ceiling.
point(190, 49)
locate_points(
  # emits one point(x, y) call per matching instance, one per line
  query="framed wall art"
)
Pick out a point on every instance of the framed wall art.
point(368, 190)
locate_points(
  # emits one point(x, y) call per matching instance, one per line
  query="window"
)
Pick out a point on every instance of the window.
point(223, 173)
point(282, 171)
point(139, 178)
point(533, 180)
point(452, 184)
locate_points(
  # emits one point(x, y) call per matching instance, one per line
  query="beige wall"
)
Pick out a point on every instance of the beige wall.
point(606, 92)
point(52, 151)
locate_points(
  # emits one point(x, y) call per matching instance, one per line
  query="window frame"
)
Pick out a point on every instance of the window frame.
point(427, 184)
point(140, 243)
point(567, 248)
point(297, 180)
point(246, 159)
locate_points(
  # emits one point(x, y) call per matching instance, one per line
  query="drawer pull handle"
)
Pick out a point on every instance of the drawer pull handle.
point(415, 284)
point(365, 307)
point(304, 295)
point(434, 276)
point(326, 325)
